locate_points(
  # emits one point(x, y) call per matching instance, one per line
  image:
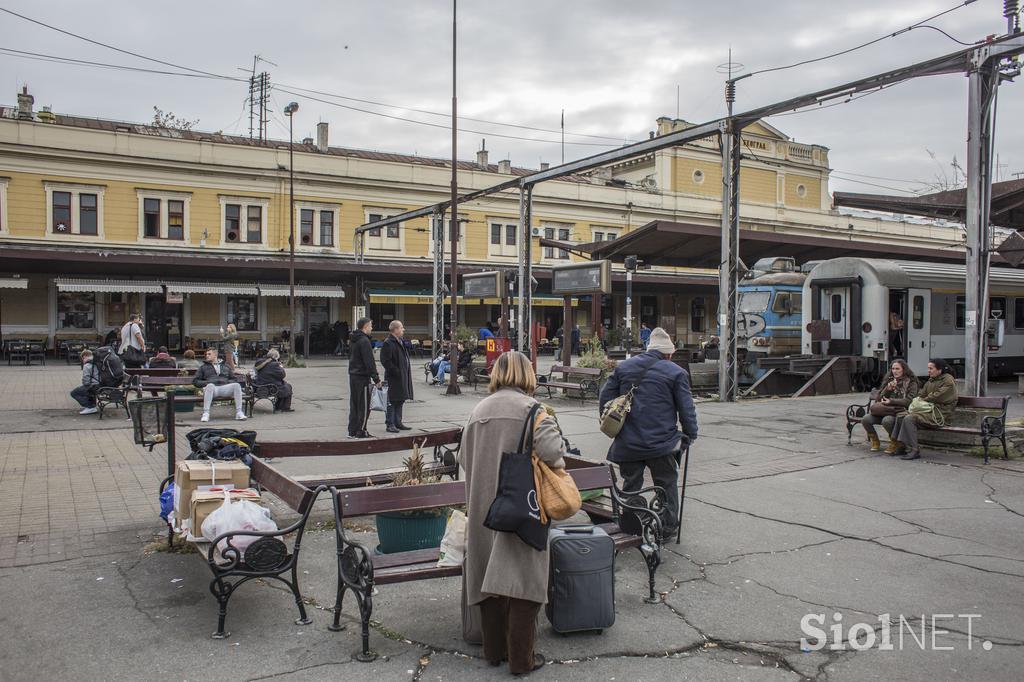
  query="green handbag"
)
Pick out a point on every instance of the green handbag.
point(923, 407)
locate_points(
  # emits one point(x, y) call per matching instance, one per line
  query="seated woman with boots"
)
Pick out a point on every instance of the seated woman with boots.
point(898, 388)
point(937, 400)
point(270, 371)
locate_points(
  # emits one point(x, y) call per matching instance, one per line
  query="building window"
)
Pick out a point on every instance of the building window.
point(801, 191)
point(76, 310)
point(244, 222)
point(504, 239)
point(697, 314)
point(62, 212)
point(960, 313)
point(387, 239)
point(382, 314)
point(74, 209)
point(698, 177)
point(447, 239)
point(605, 235)
point(316, 225)
point(163, 217)
point(241, 312)
point(561, 234)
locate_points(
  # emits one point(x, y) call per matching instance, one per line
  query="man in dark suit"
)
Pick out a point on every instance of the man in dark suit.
point(398, 373)
point(362, 373)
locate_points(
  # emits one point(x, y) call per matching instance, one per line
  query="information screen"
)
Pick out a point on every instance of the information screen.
point(483, 285)
point(583, 278)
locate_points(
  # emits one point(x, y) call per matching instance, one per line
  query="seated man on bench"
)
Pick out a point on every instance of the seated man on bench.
point(441, 364)
point(217, 381)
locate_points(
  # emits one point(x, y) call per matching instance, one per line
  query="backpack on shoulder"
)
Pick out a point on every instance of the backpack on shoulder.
point(109, 366)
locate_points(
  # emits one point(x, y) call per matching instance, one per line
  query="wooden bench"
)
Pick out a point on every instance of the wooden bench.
point(635, 524)
point(444, 443)
point(269, 555)
point(159, 371)
point(587, 384)
point(988, 427)
point(252, 393)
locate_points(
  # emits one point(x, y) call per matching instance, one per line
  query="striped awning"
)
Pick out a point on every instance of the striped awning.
point(13, 283)
point(424, 298)
point(114, 286)
point(212, 288)
point(304, 290)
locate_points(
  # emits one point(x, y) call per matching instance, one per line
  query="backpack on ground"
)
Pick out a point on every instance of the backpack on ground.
point(109, 366)
point(581, 585)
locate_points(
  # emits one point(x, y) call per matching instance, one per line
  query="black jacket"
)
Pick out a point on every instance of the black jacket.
point(360, 362)
point(269, 371)
point(208, 374)
point(465, 359)
point(394, 356)
point(661, 402)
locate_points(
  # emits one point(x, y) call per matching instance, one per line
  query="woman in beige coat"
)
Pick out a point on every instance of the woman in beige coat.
point(504, 575)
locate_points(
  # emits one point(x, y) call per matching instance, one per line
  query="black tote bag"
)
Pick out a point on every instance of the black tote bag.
point(515, 508)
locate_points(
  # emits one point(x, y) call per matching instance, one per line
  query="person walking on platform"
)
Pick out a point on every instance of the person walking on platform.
point(362, 373)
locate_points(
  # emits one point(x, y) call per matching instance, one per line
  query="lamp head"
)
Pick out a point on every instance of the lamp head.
point(291, 108)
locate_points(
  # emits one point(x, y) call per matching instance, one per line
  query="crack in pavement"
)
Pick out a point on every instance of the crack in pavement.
point(297, 670)
point(992, 493)
point(123, 572)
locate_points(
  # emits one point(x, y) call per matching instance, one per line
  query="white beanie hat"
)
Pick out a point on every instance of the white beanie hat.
point(661, 342)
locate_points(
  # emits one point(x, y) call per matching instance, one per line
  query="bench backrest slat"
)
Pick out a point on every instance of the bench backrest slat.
point(587, 371)
point(295, 495)
point(157, 371)
point(983, 403)
point(357, 447)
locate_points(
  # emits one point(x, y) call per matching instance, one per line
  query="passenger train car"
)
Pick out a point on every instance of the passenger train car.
point(884, 309)
point(769, 312)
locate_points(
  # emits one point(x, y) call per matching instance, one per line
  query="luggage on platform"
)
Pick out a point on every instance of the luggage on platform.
point(581, 586)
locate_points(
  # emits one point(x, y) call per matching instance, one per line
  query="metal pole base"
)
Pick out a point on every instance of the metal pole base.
point(220, 635)
point(303, 621)
point(364, 658)
point(336, 628)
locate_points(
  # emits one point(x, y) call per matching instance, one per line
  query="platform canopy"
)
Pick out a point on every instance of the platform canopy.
point(691, 245)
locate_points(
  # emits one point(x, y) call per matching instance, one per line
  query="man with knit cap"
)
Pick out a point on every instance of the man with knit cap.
point(651, 438)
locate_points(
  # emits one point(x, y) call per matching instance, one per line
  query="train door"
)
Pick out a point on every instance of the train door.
point(835, 303)
point(918, 330)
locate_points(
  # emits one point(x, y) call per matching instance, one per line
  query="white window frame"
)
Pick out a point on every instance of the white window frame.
point(243, 229)
point(604, 232)
point(164, 197)
point(317, 209)
point(383, 244)
point(550, 253)
point(448, 236)
point(503, 250)
point(75, 189)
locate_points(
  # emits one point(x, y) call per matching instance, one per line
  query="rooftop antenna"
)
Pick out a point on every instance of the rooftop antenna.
point(729, 68)
point(563, 136)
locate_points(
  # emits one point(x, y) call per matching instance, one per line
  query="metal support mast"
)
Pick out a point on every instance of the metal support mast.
point(525, 275)
point(453, 351)
point(437, 302)
point(728, 269)
point(983, 81)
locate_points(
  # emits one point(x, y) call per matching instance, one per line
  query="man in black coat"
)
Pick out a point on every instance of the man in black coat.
point(270, 372)
point(398, 373)
point(362, 373)
point(650, 437)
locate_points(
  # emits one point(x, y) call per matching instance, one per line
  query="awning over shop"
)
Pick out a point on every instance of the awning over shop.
point(425, 298)
point(304, 290)
point(13, 283)
point(212, 288)
point(115, 286)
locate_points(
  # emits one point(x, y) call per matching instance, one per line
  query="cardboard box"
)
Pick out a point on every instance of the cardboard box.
point(192, 473)
point(205, 501)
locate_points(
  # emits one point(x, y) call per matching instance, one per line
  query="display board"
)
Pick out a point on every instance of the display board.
point(593, 277)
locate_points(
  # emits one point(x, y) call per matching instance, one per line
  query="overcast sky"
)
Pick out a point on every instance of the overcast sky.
point(613, 66)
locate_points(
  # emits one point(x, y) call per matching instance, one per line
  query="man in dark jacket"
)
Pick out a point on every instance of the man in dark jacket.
point(394, 356)
point(341, 333)
point(650, 437)
point(362, 372)
point(270, 372)
point(217, 381)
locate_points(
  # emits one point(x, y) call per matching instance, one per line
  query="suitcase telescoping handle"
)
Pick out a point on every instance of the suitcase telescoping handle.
point(582, 529)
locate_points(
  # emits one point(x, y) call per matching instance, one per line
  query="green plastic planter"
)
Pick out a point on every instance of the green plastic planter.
point(184, 406)
point(406, 531)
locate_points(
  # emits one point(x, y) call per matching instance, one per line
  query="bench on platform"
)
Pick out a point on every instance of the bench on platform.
point(587, 380)
point(634, 522)
point(159, 371)
point(990, 422)
point(269, 555)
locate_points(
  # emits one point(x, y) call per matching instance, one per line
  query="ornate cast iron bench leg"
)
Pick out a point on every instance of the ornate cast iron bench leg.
point(355, 573)
point(637, 515)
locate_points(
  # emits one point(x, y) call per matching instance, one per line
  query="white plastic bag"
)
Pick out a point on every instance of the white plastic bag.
point(453, 544)
point(240, 515)
point(379, 398)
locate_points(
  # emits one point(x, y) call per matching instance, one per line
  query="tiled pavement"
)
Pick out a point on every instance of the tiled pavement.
point(75, 486)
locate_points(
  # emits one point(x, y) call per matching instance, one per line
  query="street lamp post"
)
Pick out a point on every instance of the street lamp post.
point(289, 112)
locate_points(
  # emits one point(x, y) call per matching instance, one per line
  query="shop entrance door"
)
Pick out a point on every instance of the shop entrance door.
point(163, 323)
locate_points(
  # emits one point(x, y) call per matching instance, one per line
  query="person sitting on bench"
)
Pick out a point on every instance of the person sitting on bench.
point(898, 388)
point(270, 371)
point(163, 359)
point(939, 392)
point(85, 393)
point(217, 381)
point(441, 365)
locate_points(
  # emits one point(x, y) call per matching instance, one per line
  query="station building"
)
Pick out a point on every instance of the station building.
point(100, 218)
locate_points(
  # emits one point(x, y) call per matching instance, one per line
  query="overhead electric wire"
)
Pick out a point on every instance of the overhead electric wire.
point(85, 62)
point(919, 24)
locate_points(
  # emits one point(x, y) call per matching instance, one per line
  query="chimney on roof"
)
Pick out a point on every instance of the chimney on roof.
point(25, 101)
point(505, 167)
point(544, 165)
point(321, 137)
point(481, 156)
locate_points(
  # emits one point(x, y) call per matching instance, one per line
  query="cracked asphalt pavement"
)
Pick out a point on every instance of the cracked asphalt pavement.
point(783, 523)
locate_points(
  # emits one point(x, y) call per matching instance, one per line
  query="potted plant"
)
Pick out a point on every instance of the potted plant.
point(406, 531)
point(182, 390)
point(594, 357)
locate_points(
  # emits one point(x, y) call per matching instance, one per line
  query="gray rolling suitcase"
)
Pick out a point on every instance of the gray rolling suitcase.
point(581, 585)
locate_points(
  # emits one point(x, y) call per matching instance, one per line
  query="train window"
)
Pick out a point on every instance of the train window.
point(1018, 313)
point(961, 312)
point(837, 308)
point(754, 301)
point(917, 311)
point(797, 302)
point(783, 303)
point(997, 308)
